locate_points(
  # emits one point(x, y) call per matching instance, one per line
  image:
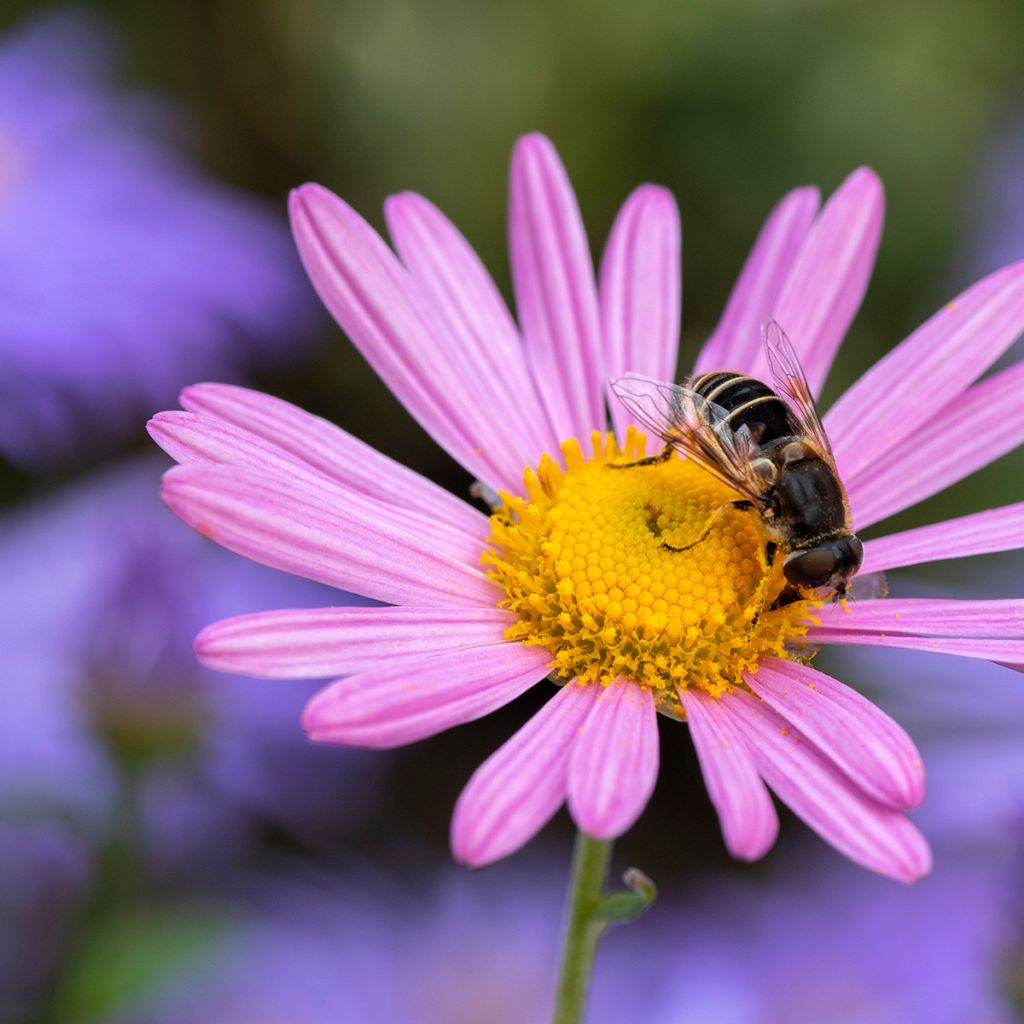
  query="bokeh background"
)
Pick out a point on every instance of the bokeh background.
point(171, 848)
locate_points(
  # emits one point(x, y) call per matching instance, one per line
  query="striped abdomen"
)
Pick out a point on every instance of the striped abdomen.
point(750, 403)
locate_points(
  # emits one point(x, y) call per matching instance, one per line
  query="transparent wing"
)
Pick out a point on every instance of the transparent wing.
point(695, 427)
point(789, 380)
point(870, 587)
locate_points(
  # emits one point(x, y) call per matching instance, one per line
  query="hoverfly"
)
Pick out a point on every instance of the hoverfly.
point(770, 446)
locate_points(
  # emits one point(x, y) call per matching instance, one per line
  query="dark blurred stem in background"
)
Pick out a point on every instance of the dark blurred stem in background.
point(121, 871)
point(119, 880)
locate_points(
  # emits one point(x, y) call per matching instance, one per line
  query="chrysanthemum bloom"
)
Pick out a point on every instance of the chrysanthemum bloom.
point(126, 273)
point(568, 577)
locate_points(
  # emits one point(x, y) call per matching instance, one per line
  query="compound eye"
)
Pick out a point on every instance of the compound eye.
point(856, 554)
point(812, 568)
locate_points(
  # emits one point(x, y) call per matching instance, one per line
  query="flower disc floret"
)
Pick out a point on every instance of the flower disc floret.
point(586, 561)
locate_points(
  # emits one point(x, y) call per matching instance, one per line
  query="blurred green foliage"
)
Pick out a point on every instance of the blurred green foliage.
point(729, 104)
point(126, 954)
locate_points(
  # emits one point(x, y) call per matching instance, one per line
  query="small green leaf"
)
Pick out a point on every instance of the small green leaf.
point(627, 904)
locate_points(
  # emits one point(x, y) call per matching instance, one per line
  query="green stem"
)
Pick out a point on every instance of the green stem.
point(584, 927)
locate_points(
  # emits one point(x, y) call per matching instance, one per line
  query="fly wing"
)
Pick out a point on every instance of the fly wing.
point(790, 381)
point(695, 427)
point(870, 587)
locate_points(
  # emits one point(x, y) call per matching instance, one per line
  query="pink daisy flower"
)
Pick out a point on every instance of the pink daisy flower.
point(569, 576)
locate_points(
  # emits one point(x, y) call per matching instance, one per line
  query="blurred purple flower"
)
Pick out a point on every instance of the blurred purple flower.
point(831, 945)
point(126, 274)
point(45, 871)
point(834, 945)
point(103, 686)
point(463, 949)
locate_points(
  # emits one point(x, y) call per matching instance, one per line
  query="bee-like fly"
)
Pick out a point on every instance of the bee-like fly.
point(769, 445)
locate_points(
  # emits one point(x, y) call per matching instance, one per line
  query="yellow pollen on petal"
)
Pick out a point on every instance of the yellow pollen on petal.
point(582, 561)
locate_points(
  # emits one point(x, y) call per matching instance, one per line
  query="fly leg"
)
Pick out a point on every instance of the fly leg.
point(651, 460)
point(767, 562)
point(741, 505)
point(789, 595)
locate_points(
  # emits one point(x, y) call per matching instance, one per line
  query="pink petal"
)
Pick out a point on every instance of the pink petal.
point(410, 700)
point(555, 290)
point(190, 438)
point(736, 342)
point(874, 836)
point(1002, 618)
point(265, 519)
point(927, 371)
point(943, 449)
point(472, 310)
point(614, 762)
point(331, 450)
point(640, 291)
point(194, 439)
point(379, 305)
point(745, 809)
point(998, 529)
point(1006, 652)
point(860, 739)
point(823, 291)
point(306, 643)
point(514, 793)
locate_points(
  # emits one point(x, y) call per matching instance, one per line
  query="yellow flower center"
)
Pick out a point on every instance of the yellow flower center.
point(585, 561)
